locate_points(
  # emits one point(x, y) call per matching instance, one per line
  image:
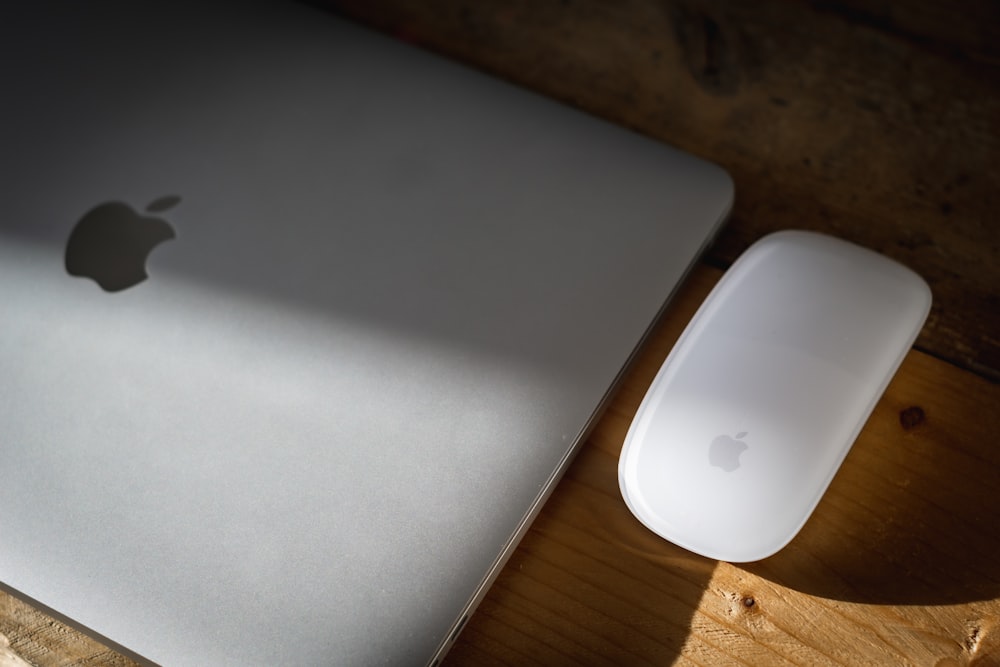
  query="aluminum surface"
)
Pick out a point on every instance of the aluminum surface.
point(397, 292)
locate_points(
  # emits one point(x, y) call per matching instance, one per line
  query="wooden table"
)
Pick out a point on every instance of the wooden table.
point(871, 121)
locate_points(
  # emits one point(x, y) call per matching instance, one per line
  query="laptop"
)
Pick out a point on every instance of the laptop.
point(299, 325)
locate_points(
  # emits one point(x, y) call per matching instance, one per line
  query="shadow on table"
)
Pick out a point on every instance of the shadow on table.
point(912, 518)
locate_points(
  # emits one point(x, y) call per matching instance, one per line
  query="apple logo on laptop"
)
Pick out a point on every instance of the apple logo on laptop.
point(110, 244)
point(724, 452)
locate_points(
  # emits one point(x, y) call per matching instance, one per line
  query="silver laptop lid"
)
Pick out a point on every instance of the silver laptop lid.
point(386, 295)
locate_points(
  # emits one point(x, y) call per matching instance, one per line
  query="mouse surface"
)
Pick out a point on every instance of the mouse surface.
point(764, 393)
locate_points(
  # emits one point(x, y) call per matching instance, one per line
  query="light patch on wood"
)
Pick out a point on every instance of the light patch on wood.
point(982, 640)
point(7, 657)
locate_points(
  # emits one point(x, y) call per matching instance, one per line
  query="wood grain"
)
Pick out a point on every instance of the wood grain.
point(871, 120)
point(34, 638)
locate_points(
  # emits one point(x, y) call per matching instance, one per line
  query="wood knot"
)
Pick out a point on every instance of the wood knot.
point(748, 601)
point(710, 49)
point(911, 417)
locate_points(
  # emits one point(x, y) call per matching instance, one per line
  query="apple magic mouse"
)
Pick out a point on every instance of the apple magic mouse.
point(764, 393)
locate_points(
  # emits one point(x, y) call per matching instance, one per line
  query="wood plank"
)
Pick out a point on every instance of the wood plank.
point(970, 31)
point(898, 564)
point(30, 637)
point(880, 126)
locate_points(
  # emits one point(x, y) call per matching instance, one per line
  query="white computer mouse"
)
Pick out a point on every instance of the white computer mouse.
point(764, 393)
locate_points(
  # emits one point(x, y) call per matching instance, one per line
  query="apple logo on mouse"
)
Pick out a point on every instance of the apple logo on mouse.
point(724, 452)
point(110, 244)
